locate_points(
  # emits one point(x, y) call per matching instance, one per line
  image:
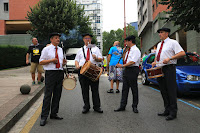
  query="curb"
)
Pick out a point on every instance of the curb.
point(9, 121)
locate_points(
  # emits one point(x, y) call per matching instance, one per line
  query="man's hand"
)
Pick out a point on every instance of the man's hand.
point(119, 65)
point(64, 61)
point(153, 64)
point(77, 67)
point(165, 61)
point(54, 60)
point(94, 56)
point(27, 61)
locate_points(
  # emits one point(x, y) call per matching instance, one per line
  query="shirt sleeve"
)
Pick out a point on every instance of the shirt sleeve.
point(135, 55)
point(43, 55)
point(77, 58)
point(110, 51)
point(99, 53)
point(177, 47)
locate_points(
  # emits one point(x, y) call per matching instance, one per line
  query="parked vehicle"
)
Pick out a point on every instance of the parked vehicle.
point(187, 73)
point(70, 56)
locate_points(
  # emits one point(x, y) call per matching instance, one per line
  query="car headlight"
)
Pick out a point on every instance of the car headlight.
point(193, 78)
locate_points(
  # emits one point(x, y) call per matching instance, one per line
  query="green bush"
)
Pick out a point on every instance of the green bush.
point(12, 56)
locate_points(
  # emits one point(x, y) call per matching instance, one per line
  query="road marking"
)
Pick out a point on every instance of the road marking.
point(189, 104)
point(181, 100)
point(32, 121)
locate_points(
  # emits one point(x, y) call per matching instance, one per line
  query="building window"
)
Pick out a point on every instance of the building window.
point(156, 3)
point(5, 7)
point(153, 8)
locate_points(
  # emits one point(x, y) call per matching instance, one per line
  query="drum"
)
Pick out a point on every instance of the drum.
point(92, 71)
point(69, 83)
point(155, 72)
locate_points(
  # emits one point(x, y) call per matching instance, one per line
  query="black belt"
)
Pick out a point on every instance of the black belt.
point(170, 65)
point(131, 67)
point(53, 70)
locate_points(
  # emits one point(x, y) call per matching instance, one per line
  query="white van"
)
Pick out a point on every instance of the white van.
point(70, 56)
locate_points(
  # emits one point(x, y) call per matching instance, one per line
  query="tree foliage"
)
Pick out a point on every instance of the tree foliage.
point(184, 13)
point(110, 37)
point(56, 16)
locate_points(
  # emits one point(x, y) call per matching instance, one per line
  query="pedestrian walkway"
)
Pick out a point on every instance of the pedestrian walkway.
point(12, 103)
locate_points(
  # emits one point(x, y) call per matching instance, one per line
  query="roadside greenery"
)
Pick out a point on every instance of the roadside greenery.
point(110, 37)
point(12, 56)
point(57, 16)
point(184, 13)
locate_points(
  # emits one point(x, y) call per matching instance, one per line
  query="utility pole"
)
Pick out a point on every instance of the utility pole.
point(124, 23)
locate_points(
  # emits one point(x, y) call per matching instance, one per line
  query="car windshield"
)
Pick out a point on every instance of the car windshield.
point(71, 57)
point(189, 60)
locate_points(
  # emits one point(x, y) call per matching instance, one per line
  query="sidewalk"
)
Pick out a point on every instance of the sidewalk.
point(12, 103)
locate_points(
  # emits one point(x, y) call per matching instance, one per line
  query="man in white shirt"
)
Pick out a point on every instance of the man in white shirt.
point(130, 74)
point(92, 53)
point(52, 61)
point(168, 51)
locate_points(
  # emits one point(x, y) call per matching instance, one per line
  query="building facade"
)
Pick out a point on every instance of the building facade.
point(93, 9)
point(13, 22)
point(149, 14)
point(135, 24)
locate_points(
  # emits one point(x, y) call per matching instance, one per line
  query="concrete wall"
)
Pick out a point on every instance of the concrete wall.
point(4, 15)
point(16, 39)
point(193, 43)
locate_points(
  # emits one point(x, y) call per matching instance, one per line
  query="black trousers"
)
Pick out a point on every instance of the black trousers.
point(168, 88)
point(130, 75)
point(53, 85)
point(85, 83)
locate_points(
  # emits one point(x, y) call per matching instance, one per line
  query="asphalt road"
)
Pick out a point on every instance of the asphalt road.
point(146, 121)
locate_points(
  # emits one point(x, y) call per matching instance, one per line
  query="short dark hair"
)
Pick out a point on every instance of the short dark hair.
point(131, 38)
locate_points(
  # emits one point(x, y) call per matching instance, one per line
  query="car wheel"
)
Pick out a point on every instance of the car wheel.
point(144, 79)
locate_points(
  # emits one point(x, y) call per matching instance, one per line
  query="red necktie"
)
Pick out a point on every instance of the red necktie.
point(57, 64)
point(158, 56)
point(127, 56)
point(88, 55)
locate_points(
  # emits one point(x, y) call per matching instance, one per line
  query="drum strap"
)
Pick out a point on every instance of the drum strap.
point(84, 52)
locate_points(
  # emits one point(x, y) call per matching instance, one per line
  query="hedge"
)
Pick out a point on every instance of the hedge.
point(12, 56)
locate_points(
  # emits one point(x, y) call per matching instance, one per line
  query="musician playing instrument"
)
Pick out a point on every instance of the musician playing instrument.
point(52, 61)
point(91, 53)
point(168, 51)
point(130, 74)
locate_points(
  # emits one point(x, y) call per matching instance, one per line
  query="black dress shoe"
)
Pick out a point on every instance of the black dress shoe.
point(163, 114)
point(56, 117)
point(85, 111)
point(119, 109)
point(99, 110)
point(42, 122)
point(170, 117)
point(135, 110)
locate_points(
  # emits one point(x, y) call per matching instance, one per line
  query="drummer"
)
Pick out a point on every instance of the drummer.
point(168, 51)
point(89, 52)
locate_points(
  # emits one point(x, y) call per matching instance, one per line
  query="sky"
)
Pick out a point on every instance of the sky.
point(113, 13)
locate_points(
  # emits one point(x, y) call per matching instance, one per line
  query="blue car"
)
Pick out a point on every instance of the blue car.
point(187, 73)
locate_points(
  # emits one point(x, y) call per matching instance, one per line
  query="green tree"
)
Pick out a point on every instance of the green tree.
point(110, 37)
point(56, 16)
point(184, 13)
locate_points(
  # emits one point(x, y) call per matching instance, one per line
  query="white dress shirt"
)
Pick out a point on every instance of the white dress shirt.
point(80, 55)
point(49, 53)
point(134, 55)
point(170, 48)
